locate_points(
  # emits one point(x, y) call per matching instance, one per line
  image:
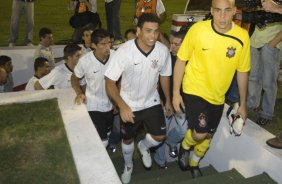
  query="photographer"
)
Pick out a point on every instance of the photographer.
point(265, 60)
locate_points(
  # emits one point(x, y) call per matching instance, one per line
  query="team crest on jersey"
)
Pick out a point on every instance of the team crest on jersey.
point(154, 63)
point(230, 52)
point(202, 120)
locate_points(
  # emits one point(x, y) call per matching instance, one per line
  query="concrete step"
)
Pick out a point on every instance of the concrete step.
point(223, 177)
point(171, 175)
point(259, 179)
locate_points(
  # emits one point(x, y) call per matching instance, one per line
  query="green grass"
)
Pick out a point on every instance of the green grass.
point(33, 146)
point(54, 14)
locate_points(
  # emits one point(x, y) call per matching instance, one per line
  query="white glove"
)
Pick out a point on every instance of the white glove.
point(237, 125)
point(236, 122)
point(232, 111)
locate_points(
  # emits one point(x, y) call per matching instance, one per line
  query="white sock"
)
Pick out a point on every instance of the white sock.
point(127, 151)
point(195, 157)
point(105, 142)
point(148, 142)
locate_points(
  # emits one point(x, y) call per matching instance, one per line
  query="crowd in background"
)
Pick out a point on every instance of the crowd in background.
point(91, 52)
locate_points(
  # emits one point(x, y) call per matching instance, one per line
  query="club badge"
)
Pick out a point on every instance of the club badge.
point(154, 63)
point(230, 52)
point(202, 120)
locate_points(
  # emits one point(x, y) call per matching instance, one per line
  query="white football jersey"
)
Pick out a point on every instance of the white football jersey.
point(140, 73)
point(30, 84)
point(59, 77)
point(93, 71)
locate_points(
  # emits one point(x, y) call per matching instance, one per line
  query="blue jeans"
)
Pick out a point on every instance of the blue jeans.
point(18, 8)
point(265, 63)
point(232, 94)
point(112, 17)
point(174, 135)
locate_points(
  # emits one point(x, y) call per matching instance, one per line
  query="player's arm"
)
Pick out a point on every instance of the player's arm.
point(165, 85)
point(242, 79)
point(80, 97)
point(126, 113)
point(178, 73)
point(37, 86)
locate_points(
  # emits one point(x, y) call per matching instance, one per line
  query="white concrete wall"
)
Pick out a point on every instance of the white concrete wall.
point(23, 59)
point(247, 153)
point(92, 161)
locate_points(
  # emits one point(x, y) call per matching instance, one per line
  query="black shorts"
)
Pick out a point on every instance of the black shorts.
point(103, 122)
point(203, 116)
point(152, 117)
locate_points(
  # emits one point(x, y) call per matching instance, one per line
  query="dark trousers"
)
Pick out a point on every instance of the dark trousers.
point(112, 17)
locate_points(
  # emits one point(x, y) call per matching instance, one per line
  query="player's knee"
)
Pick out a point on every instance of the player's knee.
point(202, 148)
point(158, 138)
point(127, 141)
point(198, 136)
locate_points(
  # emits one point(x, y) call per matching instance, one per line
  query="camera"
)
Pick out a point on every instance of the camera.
point(260, 17)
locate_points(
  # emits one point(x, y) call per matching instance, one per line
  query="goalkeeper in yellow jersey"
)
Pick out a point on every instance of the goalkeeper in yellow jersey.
point(211, 52)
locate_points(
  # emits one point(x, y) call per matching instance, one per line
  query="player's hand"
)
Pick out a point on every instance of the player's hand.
point(126, 114)
point(237, 125)
point(178, 103)
point(269, 5)
point(242, 111)
point(237, 117)
point(168, 109)
point(79, 99)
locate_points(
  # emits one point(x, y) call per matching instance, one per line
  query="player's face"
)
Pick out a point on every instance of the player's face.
point(46, 68)
point(174, 45)
point(76, 57)
point(148, 34)
point(130, 36)
point(103, 47)
point(47, 40)
point(223, 12)
point(9, 67)
point(87, 36)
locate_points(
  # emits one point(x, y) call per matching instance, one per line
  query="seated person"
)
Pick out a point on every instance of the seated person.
point(85, 16)
point(3, 79)
point(86, 38)
point(44, 48)
point(6, 64)
point(41, 68)
point(177, 124)
point(60, 76)
point(130, 34)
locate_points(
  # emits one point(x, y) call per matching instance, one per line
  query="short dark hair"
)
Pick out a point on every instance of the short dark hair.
point(86, 28)
point(98, 35)
point(44, 31)
point(179, 34)
point(70, 49)
point(130, 30)
point(39, 62)
point(147, 17)
point(4, 59)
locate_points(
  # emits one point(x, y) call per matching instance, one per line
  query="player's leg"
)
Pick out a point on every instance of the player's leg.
point(155, 122)
point(127, 145)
